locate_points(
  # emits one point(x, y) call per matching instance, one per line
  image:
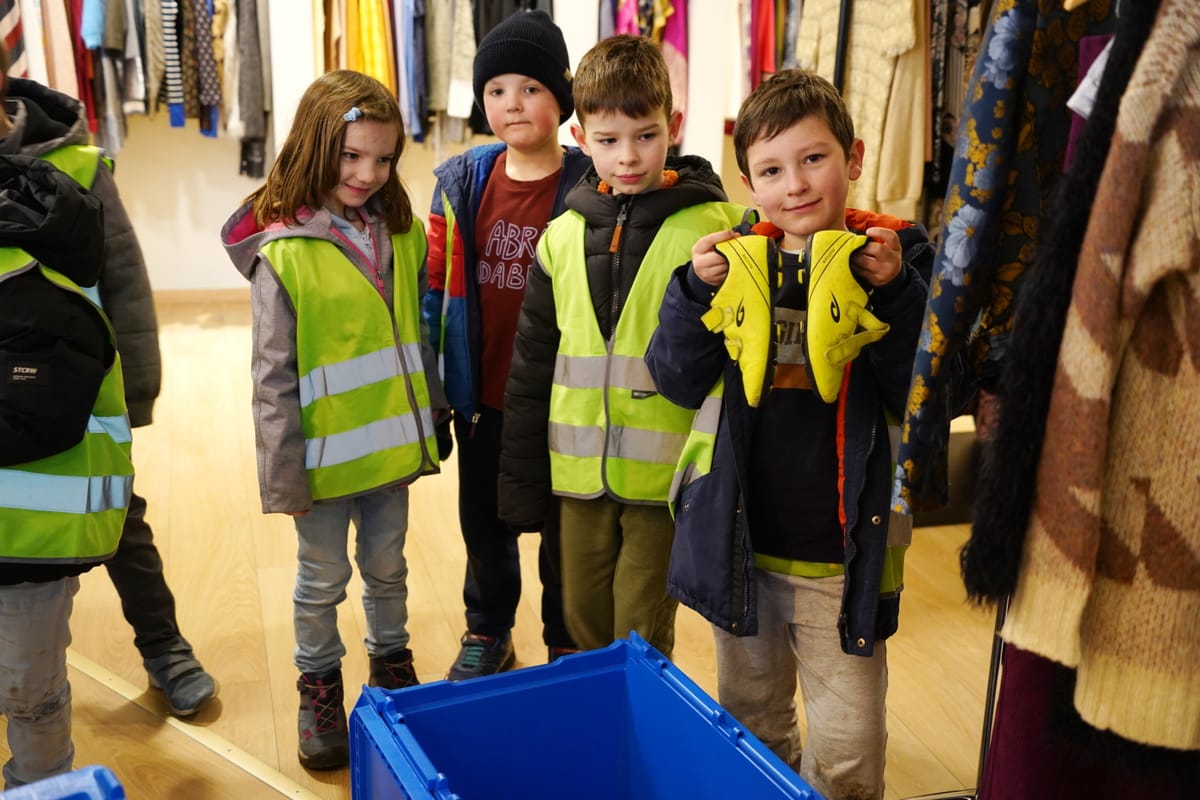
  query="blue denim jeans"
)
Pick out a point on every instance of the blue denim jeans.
point(380, 522)
point(34, 693)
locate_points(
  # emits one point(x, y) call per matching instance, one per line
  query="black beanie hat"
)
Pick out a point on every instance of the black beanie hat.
point(527, 43)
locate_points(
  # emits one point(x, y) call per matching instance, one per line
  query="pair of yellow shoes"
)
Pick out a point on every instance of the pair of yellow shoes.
point(838, 325)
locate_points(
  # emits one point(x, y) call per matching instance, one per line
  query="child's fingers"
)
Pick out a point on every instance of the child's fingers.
point(884, 236)
point(879, 260)
point(707, 244)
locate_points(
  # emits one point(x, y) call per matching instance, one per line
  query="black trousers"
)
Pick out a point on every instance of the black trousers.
point(137, 573)
point(492, 586)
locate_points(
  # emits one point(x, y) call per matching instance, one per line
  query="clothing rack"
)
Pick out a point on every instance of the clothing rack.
point(843, 38)
point(989, 711)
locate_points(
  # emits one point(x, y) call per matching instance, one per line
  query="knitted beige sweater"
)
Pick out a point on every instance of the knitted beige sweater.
point(881, 31)
point(1110, 578)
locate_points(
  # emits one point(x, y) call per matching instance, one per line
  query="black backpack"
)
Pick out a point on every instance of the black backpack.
point(55, 345)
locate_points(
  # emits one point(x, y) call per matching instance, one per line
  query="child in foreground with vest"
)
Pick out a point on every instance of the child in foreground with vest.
point(489, 208)
point(345, 384)
point(41, 122)
point(784, 540)
point(582, 418)
point(63, 432)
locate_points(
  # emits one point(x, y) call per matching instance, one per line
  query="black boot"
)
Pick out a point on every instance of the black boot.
point(393, 670)
point(324, 735)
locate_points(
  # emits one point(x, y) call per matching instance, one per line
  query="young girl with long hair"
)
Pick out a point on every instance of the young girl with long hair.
point(345, 384)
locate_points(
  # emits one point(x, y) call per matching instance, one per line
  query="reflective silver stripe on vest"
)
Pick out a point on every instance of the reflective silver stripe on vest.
point(63, 494)
point(636, 444)
point(373, 437)
point(709, 415)
point(705, 422)
point(116, 427)
point(592, 372)
point(346, 376)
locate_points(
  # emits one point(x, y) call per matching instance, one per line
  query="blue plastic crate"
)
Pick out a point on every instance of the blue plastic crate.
point(621, 723)
point(88, 783)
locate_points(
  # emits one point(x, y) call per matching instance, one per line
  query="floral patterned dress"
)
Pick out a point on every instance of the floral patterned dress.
point(1007, 160)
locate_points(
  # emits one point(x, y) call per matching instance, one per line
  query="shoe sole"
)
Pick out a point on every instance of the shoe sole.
point(335, 759)
point(505, 667)
point(186, 712)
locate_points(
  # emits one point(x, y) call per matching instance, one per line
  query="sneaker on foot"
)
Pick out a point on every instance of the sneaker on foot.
point(393, 670)
point(184, 683)
point(482, 655)
point(554, 652)
point(324, 734)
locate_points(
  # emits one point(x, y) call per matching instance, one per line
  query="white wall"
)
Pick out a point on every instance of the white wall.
point(179, 187)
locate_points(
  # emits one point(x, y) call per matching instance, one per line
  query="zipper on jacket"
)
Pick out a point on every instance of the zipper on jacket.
point(614, 247)
point(475, 415)
point(740, 524)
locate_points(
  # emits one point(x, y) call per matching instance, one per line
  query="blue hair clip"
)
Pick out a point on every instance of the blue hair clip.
point(354, 113)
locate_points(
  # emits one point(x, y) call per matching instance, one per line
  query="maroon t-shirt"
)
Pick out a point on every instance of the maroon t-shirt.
point(512, 216)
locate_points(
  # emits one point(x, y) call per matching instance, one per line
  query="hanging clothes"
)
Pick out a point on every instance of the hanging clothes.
point(14, 41)
point(173, 63)
point(33, 34)
point(904, 144)
point(420, 83)
point(881, 31)
point(91, 23)
point(762, 41)
point(1007, 160)
point(377, 45)
point(1041, 750)
point(335, 35)
point(439, 32)
point(625, 18)
point(154, 57)
point(60, 55)
point(607, 24)
point(675, 53)
point(225, 22)
point(790, 31)
point(208, 78)
point(133, 71)
point(1005, 485)
point(83, 62)
point(252, 89)
point(1109, 581)
point(450, 44)
point(402, 11)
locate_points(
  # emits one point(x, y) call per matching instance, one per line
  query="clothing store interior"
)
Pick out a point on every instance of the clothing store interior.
point(1046, 460)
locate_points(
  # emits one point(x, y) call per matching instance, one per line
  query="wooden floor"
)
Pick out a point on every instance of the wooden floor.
point(231, 569)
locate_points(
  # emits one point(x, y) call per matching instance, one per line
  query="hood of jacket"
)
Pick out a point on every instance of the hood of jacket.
point(43, 119)
point(50, 216)
point(243, 237)
point(697, 183)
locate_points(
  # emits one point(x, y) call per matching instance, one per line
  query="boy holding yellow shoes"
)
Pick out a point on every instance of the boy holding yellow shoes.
point(784, 539)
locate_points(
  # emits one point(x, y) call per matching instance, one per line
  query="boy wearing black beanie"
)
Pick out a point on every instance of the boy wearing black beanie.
point(489, 208)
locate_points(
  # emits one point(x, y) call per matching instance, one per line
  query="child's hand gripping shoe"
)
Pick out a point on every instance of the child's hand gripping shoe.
point(742, 310)
point(839, 324)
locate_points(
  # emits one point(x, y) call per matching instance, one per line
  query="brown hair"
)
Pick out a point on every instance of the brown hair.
point(781, 101)
point(307, 167)
point(622, 74)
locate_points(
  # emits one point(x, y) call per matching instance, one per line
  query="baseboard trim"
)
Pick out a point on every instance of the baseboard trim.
point(194, 296)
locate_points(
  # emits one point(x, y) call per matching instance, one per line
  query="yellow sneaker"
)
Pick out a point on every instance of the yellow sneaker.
point(838, 324)
point(742, 309)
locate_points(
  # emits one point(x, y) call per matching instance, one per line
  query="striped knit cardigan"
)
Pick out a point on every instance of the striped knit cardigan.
point(1109, 581)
